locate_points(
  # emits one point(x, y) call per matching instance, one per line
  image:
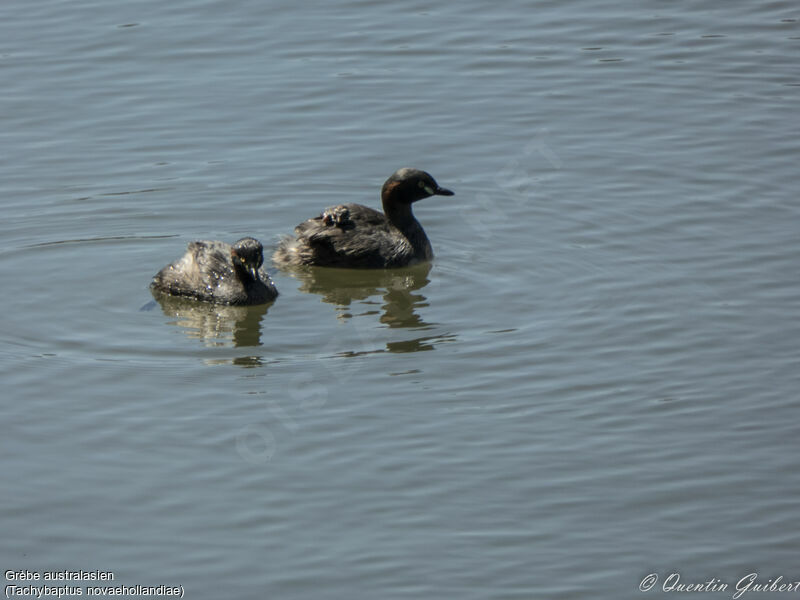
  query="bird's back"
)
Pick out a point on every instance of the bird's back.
point(346, 235)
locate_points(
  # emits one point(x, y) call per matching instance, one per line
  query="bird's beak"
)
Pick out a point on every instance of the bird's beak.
point(440, 191)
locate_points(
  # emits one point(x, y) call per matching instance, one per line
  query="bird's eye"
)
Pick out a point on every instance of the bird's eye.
point(421, 184)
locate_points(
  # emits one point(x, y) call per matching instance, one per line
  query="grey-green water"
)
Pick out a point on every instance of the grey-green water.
point(597, 379)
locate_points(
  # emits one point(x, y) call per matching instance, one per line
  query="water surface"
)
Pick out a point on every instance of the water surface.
point(595, 380)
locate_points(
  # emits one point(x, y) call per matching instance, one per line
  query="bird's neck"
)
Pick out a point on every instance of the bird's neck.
point(402, 217)
point(399, 214)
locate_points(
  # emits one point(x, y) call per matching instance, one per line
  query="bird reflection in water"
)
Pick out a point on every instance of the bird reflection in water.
point(398, 288)
point(217, 325)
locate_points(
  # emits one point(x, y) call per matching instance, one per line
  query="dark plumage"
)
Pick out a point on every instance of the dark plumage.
point(220, 273)
point(356, 236)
